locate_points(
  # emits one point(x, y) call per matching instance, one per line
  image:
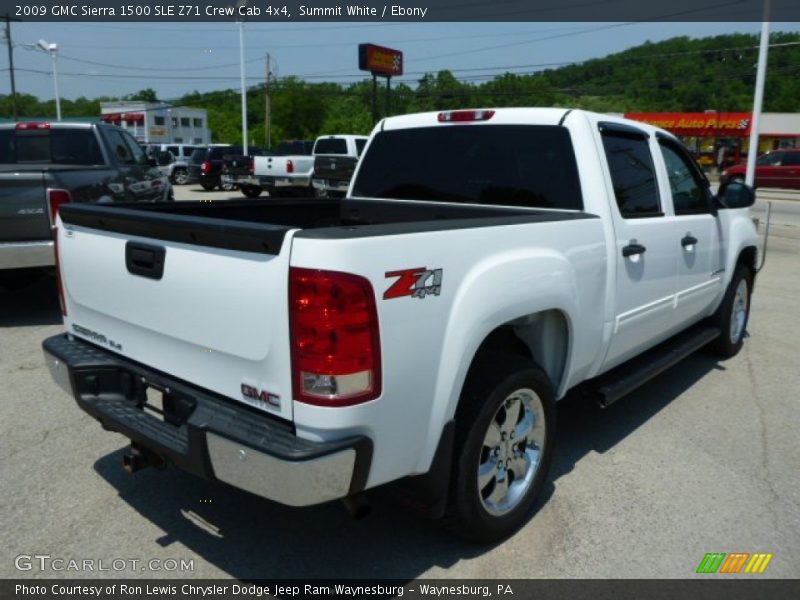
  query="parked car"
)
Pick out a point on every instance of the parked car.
point(287, 171)
point(177, 169)
point(418, 331)
point(45, 165)
point(205, 164)
point(335, 158)
point(237, 169)
point(775, 169)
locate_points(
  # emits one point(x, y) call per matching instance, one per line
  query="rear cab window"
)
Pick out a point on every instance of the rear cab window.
point(331, 146)
point(60, 146)
point(506, 165)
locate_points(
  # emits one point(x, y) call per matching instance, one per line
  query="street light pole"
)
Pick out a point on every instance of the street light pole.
point(243, 85)
point(761, 73)
point(52, 50)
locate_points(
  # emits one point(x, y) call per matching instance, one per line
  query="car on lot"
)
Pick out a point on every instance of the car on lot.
point(775, 169)
point(286, 171)
point(207, 165)
point(177, 168)
point(45, 165)
point(335, 159)
point(418, 331)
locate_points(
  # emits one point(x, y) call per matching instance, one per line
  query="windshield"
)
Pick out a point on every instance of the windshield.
point(512, 165)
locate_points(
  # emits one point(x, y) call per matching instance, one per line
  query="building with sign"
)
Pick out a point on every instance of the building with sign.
point(723, 139)
point(158, 122)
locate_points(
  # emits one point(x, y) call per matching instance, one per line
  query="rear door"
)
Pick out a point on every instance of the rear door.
point(645, 245)
point(697, 236)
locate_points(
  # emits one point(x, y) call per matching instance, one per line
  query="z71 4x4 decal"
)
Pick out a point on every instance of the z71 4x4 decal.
point(417, 283)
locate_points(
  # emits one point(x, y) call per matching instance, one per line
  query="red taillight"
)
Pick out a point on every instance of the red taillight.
point(32, 126)
point(56, 198)
point(464, 116)
point(252, 166)
point(206, 167)
point(289, 166)
point(59, 284)
point(336, 358)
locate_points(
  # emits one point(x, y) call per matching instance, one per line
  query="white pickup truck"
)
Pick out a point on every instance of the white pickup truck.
point(288, 171)
point(418, 331)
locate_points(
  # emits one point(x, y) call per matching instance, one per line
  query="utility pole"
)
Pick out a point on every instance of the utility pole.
point(11, 65)
point(758, 99)
point(267, 107)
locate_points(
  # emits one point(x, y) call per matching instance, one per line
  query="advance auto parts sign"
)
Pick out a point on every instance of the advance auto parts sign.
point(380, 60)
point(699, 124)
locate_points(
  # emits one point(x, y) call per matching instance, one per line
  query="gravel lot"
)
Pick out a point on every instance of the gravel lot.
point(703, 459)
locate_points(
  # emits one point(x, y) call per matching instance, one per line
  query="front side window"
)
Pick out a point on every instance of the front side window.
point(632, 175)
point(688, 192)
point(773, 159)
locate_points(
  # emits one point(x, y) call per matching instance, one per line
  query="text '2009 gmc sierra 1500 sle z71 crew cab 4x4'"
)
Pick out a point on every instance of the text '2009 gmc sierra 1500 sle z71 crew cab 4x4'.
point(418, 331)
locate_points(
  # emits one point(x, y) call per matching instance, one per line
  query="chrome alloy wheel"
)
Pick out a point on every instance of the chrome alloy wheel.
point(739, 312)
point(511, 452)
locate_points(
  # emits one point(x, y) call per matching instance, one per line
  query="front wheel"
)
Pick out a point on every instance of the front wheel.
point(733, 313)
point(208, 186)
point(505, 431)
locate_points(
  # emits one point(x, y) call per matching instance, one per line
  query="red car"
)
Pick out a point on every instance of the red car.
point(775, 169)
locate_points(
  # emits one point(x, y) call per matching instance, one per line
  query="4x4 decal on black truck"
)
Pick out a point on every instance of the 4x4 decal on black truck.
point(417, 283)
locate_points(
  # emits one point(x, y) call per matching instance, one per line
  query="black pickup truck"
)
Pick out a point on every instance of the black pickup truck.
point(43, 165)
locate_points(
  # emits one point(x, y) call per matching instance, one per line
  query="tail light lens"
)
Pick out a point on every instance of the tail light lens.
point(289, 166)
point(205, 167)
point(56, 198)
point(59, 284)
point(464, 116)
point(335, 339)
point(252, 166)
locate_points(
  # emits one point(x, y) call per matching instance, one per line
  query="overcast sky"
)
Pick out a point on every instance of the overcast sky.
point(115, 59)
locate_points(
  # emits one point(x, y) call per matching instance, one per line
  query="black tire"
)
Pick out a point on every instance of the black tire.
point(180, 176)
point(490, 384)
point(252, 191)
point(729, 342)
point(207, 186)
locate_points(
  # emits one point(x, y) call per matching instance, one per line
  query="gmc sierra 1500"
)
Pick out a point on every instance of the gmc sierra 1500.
point(421, 329)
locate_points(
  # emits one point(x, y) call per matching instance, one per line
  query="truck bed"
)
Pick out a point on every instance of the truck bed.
point(261, 225)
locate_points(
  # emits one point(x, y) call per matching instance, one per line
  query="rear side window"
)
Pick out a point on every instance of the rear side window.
point(331, 146)
point(632, 175)
point(791, 159)
point(53, 146)
point(509, 165)
point(198, 155)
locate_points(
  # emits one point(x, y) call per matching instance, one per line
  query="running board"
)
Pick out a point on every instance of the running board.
point(622, 380)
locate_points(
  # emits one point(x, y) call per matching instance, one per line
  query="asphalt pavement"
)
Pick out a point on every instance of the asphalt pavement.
point(702, 459)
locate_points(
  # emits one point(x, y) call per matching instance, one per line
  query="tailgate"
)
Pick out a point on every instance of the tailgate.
point(23, 207)
point(339, 168)
point(212, 316)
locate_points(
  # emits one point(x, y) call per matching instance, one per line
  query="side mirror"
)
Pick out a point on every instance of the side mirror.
point(736, 194)
point(152, 162)
point(164, 158)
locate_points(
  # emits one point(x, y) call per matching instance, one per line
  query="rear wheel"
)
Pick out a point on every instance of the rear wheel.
point(251, 191)
point(505, 430)
point(733, 312)
point(207, 186)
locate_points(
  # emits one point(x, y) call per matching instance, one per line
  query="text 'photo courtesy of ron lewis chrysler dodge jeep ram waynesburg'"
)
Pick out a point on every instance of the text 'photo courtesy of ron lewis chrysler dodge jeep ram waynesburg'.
point(417, 331)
